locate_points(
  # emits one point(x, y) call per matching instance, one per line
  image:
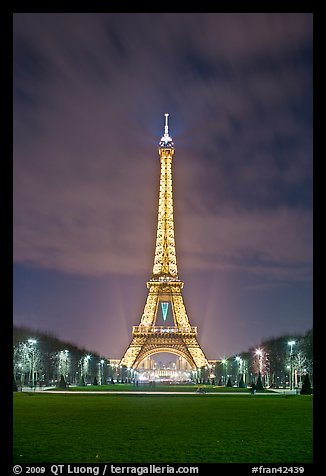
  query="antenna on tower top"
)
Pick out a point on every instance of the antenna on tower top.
point(166, 128)
point(166, 140)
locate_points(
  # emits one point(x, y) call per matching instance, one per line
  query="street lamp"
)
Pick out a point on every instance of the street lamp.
point(66, 351)
point(32, 342)
point(210, 375)
point(224, 362)
point(239, 360)
point(21, 373)
point(259, 353)
point(102, 363)
point(291, 343)
point(87, 358)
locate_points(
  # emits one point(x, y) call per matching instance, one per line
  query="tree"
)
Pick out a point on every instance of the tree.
point(259, 384)
point(277, 350)
point(300, 363)
point(26, 360)
point(62, 382)
point(49, 357)
point(95, 381)
point(307, 348)
point(241, 383)
point(15, 389)
point(82, 381)
point(229, 384)
point(306, 386)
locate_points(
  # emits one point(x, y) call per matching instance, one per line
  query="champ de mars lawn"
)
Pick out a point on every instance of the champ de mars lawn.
point(79, 428)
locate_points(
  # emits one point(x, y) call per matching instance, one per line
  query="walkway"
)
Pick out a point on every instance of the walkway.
point(279, 391)
point(141, 392)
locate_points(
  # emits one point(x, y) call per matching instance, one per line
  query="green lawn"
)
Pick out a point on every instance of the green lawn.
point(74, 428)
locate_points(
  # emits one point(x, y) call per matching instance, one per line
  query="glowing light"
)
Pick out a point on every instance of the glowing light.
point(291, 343)
point(143, 377)
point(166, 140)
point(165, 307)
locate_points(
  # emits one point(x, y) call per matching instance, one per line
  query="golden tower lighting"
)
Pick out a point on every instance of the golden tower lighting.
point(164, 325)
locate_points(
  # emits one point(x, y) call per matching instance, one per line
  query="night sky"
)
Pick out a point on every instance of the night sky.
point(90, 93)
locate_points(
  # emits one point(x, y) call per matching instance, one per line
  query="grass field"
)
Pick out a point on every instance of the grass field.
point(74, 428)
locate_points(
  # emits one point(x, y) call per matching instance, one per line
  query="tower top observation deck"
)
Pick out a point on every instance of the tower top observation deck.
point(166, 140)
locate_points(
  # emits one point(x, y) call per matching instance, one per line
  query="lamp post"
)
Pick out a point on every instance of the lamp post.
point(288, 367)
point(32, 342)
point(66, 352)
point(86, 365)
point(67, 365)
point(102, 363)
point(224, 362)
point(21, 373)
point(291, 343)
point(239, 360)
point(259, 354)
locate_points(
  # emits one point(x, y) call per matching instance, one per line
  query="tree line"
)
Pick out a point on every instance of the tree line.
point(280, 361)
point(40, 358)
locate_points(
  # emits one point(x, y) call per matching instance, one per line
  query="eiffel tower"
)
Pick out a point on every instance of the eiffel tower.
point(164, 325)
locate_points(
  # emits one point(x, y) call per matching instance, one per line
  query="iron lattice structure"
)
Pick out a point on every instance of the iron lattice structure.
point(165, 287)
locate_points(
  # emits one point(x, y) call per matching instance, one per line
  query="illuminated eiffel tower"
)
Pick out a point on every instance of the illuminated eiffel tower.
point(164, 325)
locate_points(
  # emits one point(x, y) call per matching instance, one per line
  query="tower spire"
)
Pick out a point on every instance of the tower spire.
point(166, 127)
point(166, 140)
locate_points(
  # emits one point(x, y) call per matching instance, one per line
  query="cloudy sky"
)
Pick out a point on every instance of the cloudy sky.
point(90, 93)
